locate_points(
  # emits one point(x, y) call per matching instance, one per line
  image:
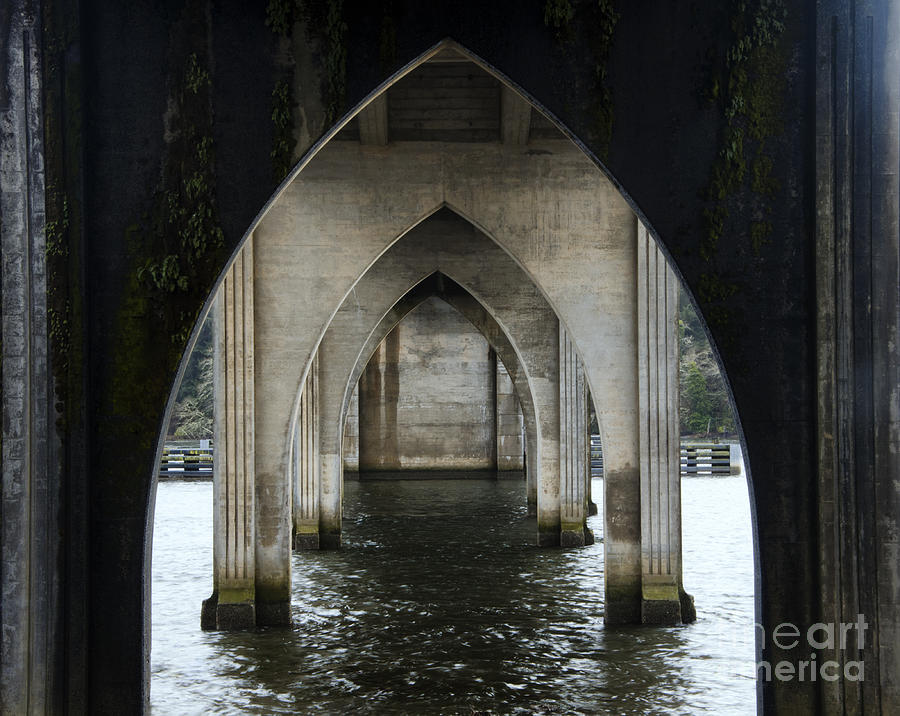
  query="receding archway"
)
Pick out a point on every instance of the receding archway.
point(541, 208)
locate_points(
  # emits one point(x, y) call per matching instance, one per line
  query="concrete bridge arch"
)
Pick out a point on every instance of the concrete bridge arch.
point(573, 238)
point(459, 261)
point(810, 395)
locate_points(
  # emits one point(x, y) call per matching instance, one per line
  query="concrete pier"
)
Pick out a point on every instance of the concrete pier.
point(573, 442)
point(661, 589)
point(233, 603)
point(307, 465)
point(794, 263)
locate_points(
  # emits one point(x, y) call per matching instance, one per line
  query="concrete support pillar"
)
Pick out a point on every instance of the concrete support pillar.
point(572, 445)
point(331, 477)
point(306, 464)
point(31, 582)
point(548, 463)
point(233, 604)
point(857, 253)
point(657, 316)
point(510, 427)
point(591, 505)
point(531, 481)
point(350, 440)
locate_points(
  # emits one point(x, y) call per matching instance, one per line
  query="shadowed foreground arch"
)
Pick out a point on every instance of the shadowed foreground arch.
point(807, 332)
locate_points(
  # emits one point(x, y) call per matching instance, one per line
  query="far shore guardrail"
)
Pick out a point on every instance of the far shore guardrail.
point(187, 459)
point(696, 458)
point(193, 459)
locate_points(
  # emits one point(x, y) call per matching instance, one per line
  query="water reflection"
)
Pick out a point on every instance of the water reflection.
point(439, 603)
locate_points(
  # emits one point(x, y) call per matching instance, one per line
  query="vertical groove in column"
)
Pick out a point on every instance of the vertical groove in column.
point(28, 314)
point(302, 441)
point(562, 422)
point(673, 470)
point(315, 471)
point(234, 488)
point(304, 452)
point(844, 298)
point(250, 412)
point(652, 406)
point(304, 449)
point(661, 447)
point(569, 436)
point(832, 285)
point(643, 399)
point(229, 424)
point(240, 475)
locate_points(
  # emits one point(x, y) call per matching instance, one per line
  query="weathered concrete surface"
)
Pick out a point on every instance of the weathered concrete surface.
point(573, 451)
point(657, 358)
point(350, 451)
point(451, 245)
point(663, 146)
point(439, 285)
point(234, 485)
point(510, 428)
point(858, 346)
point(427, 396)
point(527, 199)
point(305, 498)
point(32, 586)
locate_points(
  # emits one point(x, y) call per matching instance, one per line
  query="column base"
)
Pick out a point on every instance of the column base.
point(688, 610)
point(548, 538)
point(623, 604)
point(329, 540)
point(575, 537)
point(227, 616)
point(236, 617)
point(571, 538)
point(660, 612)
point(305, 540)
point(273, 614)
point(660, 602)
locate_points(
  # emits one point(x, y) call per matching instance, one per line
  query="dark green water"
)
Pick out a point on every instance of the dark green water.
point(439, 603)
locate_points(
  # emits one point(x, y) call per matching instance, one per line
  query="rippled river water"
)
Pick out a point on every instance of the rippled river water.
point(439, 603)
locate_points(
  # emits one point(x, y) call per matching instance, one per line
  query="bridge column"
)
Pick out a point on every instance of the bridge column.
point(233, 603)
point(857, 254)
point(573, 465)
point(331, 467)
point(350, 439)
point(306, 464)
point(663, 599)
point(510, 441)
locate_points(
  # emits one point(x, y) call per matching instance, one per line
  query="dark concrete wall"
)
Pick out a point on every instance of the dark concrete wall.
point(741, 240)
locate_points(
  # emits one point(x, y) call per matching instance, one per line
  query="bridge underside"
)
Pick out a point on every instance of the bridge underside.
point(534, 247)
point(806, 320)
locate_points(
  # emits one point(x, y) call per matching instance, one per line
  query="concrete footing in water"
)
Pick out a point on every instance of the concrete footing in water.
point(227, 616)
point(305, 540)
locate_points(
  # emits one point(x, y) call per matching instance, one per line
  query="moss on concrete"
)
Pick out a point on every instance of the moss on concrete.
point(747, 84)
point(63, 141)
point(601, 20)
point(282, 153)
